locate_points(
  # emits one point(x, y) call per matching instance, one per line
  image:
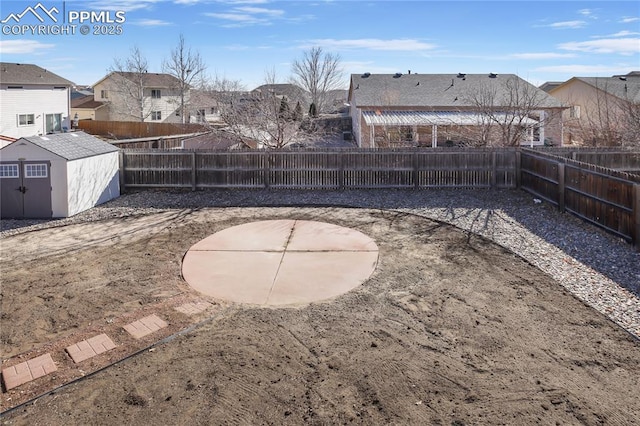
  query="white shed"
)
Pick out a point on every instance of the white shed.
point(57, 175)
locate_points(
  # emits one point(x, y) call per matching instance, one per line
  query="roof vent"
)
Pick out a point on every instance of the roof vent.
point(492, 75)
point(366, 75)
point(461, 75)
point(397, 75)
point(623, 78)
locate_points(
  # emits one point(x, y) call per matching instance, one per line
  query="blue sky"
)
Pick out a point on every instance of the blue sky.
point(240, 40)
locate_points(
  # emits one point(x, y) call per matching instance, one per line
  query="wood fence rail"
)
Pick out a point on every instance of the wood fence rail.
point(136, 129)
point(607, 198)
point(604, 197)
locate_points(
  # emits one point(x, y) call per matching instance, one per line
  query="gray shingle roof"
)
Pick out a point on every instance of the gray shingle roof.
point(439, 91)
point(13, 73)
point(627, 87)
point(71, 146)
point(148, 79)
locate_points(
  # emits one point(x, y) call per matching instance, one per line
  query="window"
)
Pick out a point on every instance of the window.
point(53, 123)
point(15, 87)
point(156, 115)
point(574, 112)
point(156, 93)
point(104, 94)
point(26, 119)
point(35, 170)
point(8, 170)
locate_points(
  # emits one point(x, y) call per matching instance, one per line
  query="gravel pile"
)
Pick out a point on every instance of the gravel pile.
point(598, 268)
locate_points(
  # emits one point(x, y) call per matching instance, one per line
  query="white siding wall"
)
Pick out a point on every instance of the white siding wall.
point(92, 181)
point(36, 100)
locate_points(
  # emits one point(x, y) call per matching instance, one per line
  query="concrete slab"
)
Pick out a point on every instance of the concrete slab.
point(280, 262)
point(27, 371)
point(267, 235)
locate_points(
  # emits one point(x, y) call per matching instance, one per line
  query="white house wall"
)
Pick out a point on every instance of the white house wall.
point(92, 181)
point(36, 100)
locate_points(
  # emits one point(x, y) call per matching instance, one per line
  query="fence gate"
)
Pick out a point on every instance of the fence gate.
point(25, 189)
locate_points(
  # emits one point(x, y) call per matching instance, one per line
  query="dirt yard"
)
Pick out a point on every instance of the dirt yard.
point(450, 329)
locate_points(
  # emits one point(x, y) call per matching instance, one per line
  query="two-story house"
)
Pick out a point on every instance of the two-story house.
point(602, 110)
point(33, 101)
point(451, 109)
point(145, 97)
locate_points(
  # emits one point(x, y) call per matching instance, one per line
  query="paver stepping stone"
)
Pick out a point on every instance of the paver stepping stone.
point(28, 371)
point(145, 326)
point(193, 308)
point(90, 347)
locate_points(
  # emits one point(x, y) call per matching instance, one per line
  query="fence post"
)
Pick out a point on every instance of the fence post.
point(561, 186)
point(416, 174)
point(121, 176)
point(518, 168)
point(341, 172)
point(636, 215)
point(267, 166)
point(494, 168)
point(194, 172)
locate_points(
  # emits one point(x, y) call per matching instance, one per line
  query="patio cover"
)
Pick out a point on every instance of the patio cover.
point(428, 118)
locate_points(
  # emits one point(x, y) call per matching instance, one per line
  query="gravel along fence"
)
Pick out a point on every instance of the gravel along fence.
point(598, 268)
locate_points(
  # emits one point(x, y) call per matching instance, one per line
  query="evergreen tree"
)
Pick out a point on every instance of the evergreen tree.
point(297, 112)
point(313, 112)
point(285, 111)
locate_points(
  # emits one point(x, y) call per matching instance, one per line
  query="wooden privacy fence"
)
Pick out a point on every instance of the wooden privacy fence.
point(136, 129)
point(607, 198)
point(320, 169)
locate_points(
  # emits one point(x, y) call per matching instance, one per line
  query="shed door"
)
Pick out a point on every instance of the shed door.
point(25, 188)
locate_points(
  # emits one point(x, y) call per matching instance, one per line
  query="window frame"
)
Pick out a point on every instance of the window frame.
point(156, 115)
point(36, 171)
point(26, 124)
point(4, 168)
point(156, 93)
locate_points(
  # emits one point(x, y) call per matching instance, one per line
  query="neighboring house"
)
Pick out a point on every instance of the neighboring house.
point(600, 109)
point(33, 101)
point(147, 97)
point(291, 92)
point(57, 175)
point(87, 108)
point(203, 107)
point(449, 109)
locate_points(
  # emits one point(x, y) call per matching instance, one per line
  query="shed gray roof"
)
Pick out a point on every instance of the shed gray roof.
point(623, 87)
point(71, 146)
point(440, 91)
point(13, 73)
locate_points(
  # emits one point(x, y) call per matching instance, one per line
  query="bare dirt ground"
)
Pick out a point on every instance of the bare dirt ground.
point(450, 329)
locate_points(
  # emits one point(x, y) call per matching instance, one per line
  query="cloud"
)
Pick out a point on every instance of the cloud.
point(621, 46)
point(542, 55)
point(373, 44)
point(23, 46)
point(629, 19)
point(247, 15)
point(619, 34)
point(124, 5)
point(151, 23)
point(566, 25)
point(577, 69)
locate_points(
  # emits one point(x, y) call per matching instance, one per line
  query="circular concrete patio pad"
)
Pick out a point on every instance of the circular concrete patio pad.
point(280, 262)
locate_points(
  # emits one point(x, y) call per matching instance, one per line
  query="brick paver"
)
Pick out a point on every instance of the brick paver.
point(28, 371)
point(144, 326)
point(90, 347)
point(193, 308)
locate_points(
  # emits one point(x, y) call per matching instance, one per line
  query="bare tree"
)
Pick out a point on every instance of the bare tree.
point(187, 67)
point(511, 111)
point(126, 86)
point(318, 73)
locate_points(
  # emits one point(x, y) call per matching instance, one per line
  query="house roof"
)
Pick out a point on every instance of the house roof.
point(86, 102)
point(624, 87)
point(149, 79)
point(13, 73)
point(291, 91)
point(441, 91)
point(71, 146)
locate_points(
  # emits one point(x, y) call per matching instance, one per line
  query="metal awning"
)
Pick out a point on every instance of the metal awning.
point(429, 118)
